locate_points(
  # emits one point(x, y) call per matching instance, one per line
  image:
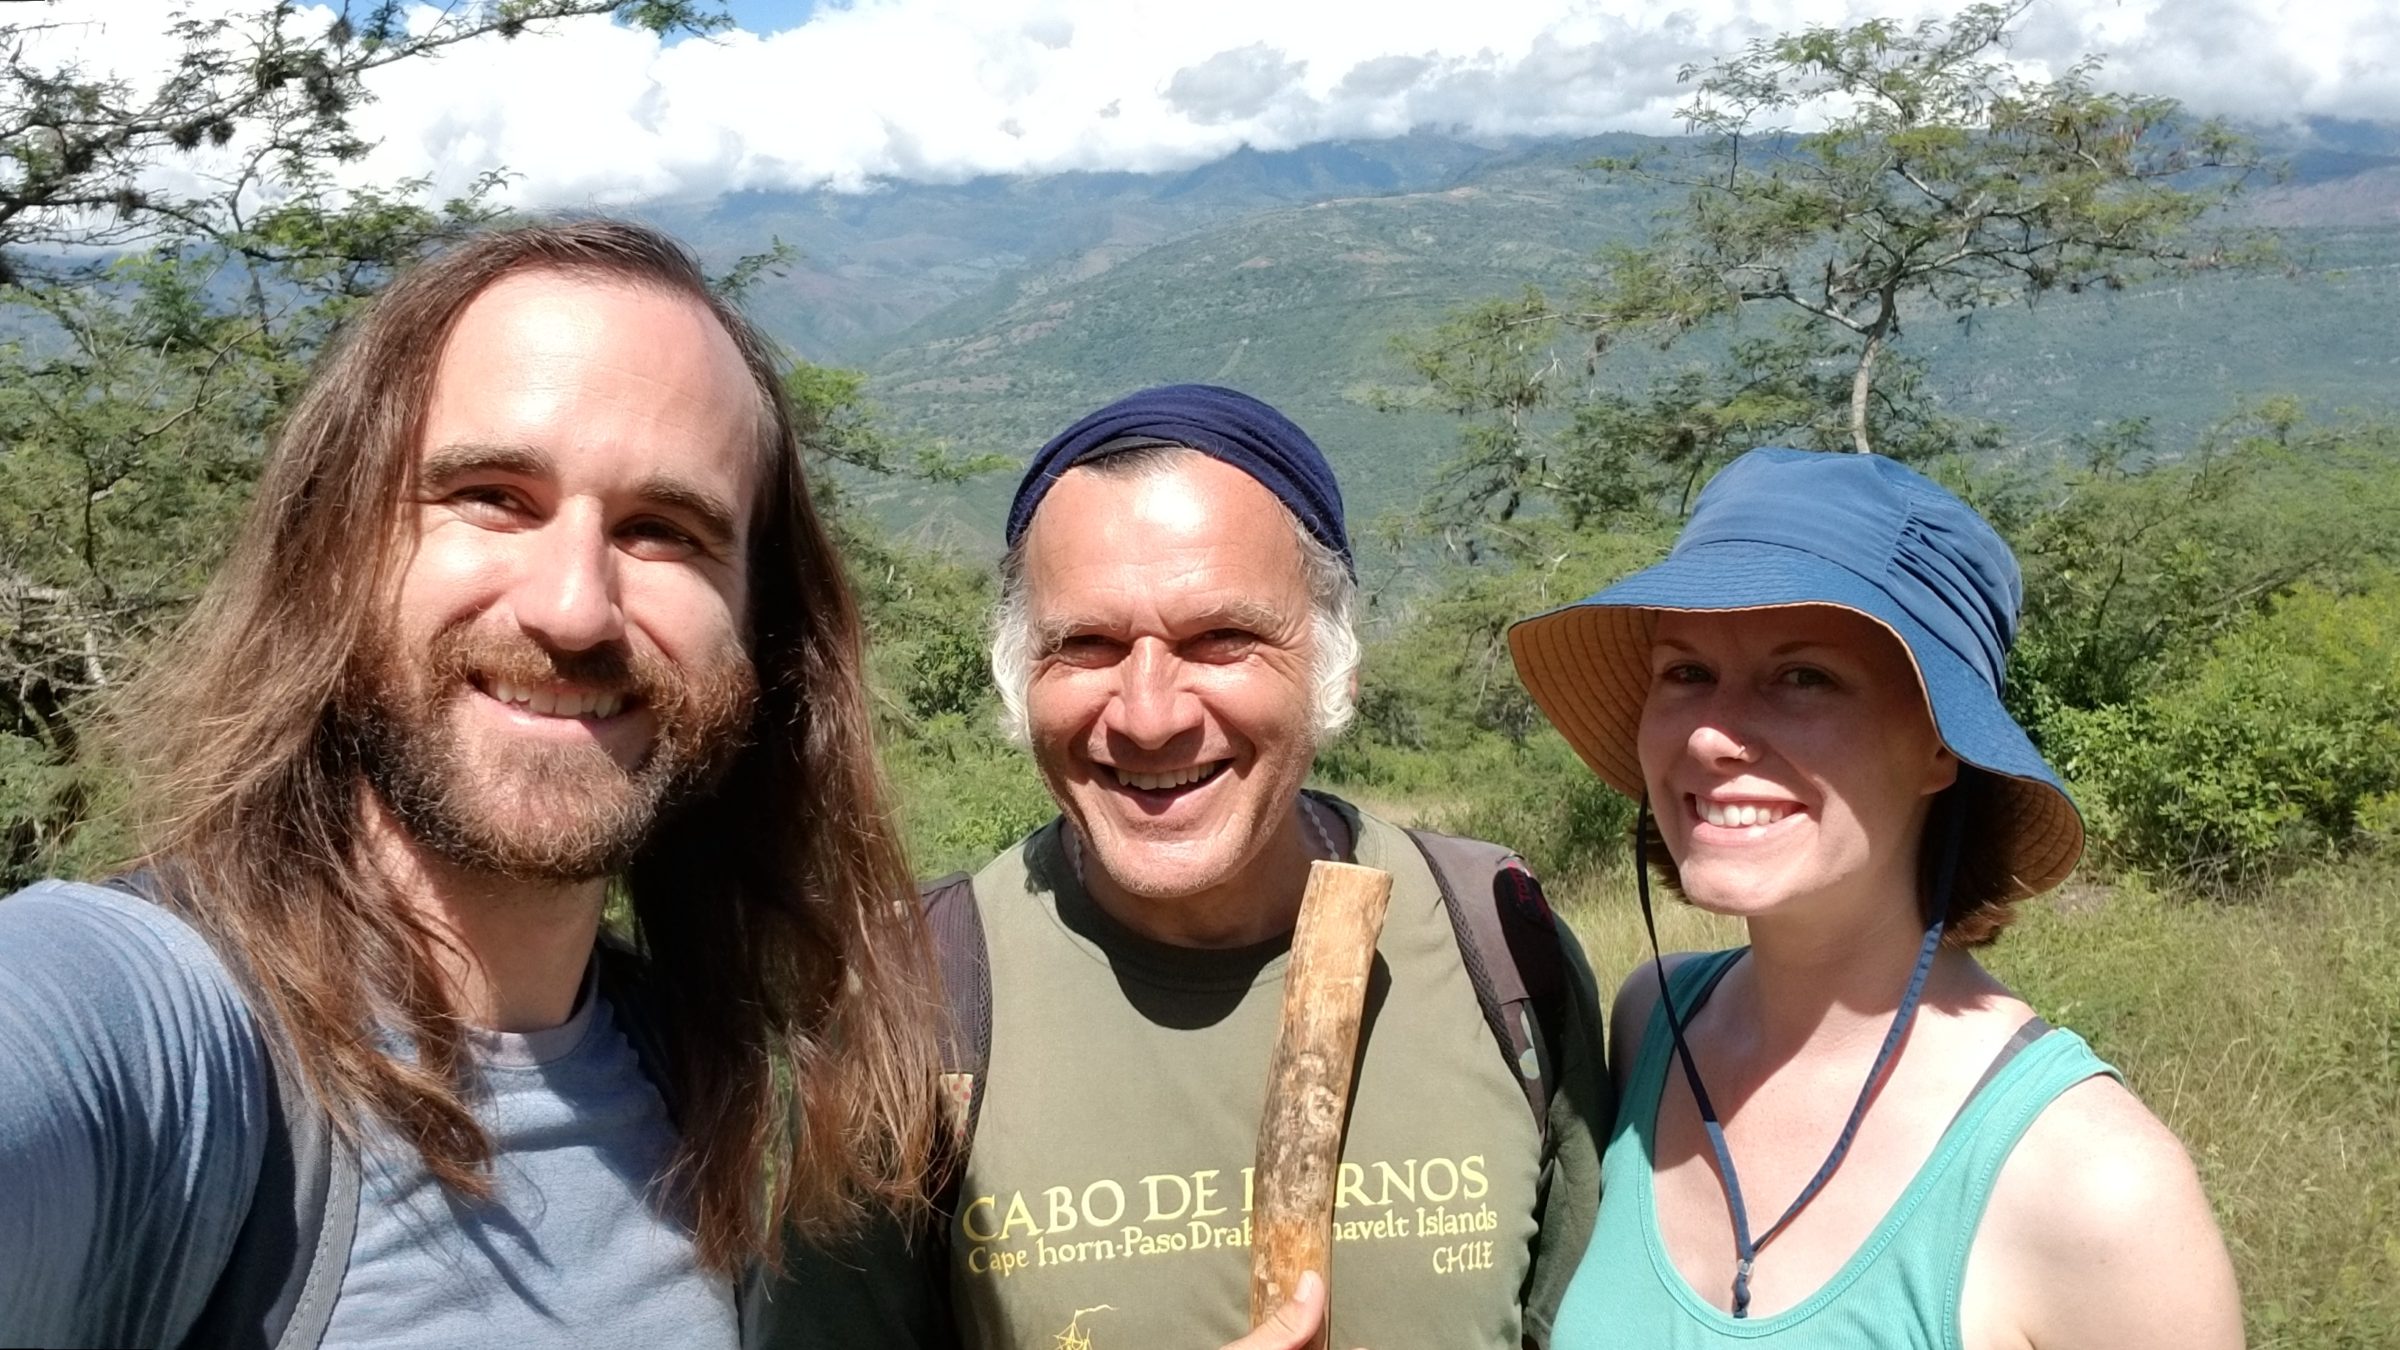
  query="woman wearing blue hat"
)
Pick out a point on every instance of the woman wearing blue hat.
point(1847, 1133)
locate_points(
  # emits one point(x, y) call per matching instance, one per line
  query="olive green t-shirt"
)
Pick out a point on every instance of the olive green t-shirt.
point(1104, 1201)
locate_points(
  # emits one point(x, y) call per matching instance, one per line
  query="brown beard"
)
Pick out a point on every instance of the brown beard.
point(540, 813)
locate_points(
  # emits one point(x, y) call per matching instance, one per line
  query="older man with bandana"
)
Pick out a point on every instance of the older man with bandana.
point(1174, 642)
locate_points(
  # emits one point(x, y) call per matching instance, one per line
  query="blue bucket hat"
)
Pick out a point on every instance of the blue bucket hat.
point(1794, 527)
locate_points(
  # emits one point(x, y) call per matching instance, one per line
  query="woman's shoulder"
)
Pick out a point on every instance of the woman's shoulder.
point(2097, 1204)
point(2099, 1161)
point(1637, 999)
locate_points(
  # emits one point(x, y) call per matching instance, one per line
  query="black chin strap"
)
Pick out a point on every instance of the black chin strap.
point(1745, 1249)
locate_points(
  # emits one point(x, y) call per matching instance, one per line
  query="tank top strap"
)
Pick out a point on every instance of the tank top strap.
point(1689, 984)
point(1694, 980)
point(1903, 1285)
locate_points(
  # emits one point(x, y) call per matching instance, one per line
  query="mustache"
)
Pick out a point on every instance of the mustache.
point(485, 657)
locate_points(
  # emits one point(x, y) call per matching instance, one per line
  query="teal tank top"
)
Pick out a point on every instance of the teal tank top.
point(1899, 1290)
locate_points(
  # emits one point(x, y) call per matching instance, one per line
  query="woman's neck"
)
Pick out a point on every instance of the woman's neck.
point(1813, 986)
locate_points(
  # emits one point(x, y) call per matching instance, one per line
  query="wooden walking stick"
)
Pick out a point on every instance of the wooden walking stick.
point(1308, 1084)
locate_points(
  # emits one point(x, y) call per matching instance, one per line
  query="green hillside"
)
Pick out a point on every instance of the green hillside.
point(2184, 354)
point(1290, 275)
point(1297, 305)
point(870, 263)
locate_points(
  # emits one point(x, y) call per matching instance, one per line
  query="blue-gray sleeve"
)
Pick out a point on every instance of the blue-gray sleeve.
point(133, 1101)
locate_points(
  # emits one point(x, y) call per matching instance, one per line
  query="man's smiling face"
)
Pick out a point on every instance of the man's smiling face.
point(1171, 695)
point(565, 650)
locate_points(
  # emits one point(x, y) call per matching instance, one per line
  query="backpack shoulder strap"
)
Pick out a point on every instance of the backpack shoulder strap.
point(956, 925)
point(1509, 941)
point(310, 1212)
point(624, 980)
point(293, 1246)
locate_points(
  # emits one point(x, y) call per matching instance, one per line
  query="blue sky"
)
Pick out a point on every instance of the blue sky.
point(769, 16)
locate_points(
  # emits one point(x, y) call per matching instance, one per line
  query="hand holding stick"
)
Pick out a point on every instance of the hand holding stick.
point(1308, 1083)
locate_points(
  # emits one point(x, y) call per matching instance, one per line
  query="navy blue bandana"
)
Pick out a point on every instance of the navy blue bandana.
point(1221, 423)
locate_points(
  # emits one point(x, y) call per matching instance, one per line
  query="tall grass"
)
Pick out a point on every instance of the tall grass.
point(2266, 1033)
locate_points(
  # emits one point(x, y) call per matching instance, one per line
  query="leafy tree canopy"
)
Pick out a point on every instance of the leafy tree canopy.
point(1942, 181)
point(79, 149)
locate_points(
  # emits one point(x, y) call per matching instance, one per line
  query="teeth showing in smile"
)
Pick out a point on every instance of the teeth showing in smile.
point(1739, 815)
point(591, 705)
point(1162, 782)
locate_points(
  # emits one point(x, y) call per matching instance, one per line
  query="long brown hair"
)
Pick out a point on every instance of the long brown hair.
point(791, 975)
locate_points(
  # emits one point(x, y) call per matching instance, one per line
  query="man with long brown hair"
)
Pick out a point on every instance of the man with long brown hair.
point(531, 607)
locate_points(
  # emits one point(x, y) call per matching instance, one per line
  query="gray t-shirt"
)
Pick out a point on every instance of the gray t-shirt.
point(133, 1095)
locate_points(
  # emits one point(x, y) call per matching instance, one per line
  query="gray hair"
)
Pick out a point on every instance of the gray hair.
point(1332, 600)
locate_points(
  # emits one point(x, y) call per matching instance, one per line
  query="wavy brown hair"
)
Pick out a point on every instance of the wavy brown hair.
point(790, 971)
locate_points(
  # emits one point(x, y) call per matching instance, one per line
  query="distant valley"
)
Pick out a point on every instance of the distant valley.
point(990, 313)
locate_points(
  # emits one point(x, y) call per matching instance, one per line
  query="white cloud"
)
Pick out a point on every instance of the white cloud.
point(945, 89)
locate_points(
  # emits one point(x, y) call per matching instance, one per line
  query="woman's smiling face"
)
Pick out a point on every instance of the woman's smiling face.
point(1788, 753)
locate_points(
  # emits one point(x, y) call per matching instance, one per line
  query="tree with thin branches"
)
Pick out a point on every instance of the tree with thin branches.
point(1942, 181)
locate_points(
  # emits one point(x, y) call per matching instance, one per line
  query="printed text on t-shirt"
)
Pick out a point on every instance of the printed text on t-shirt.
point(1438, 1202)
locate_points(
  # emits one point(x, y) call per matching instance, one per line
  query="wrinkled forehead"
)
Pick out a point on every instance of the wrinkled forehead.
point(1188, 534)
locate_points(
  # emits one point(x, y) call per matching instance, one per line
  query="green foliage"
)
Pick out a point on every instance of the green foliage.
point(2203, 636)
point(2266, 751)
point(36, 791)
point(964, 793)
point(842, 429)
point(59, 815)
point(2140, 556)
point(266, 92)
point(1532, 795)
point(1942, 182)
point(1636, 454)
point(1942, 177)
point(1445, 735)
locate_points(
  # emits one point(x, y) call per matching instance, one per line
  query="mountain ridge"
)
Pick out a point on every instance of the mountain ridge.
point(990, 313)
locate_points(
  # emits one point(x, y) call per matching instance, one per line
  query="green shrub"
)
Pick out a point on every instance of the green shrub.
point(1533, 796)
point(963, 793)
point(2136, 563)
point(947, 673)
point(2281, 743)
